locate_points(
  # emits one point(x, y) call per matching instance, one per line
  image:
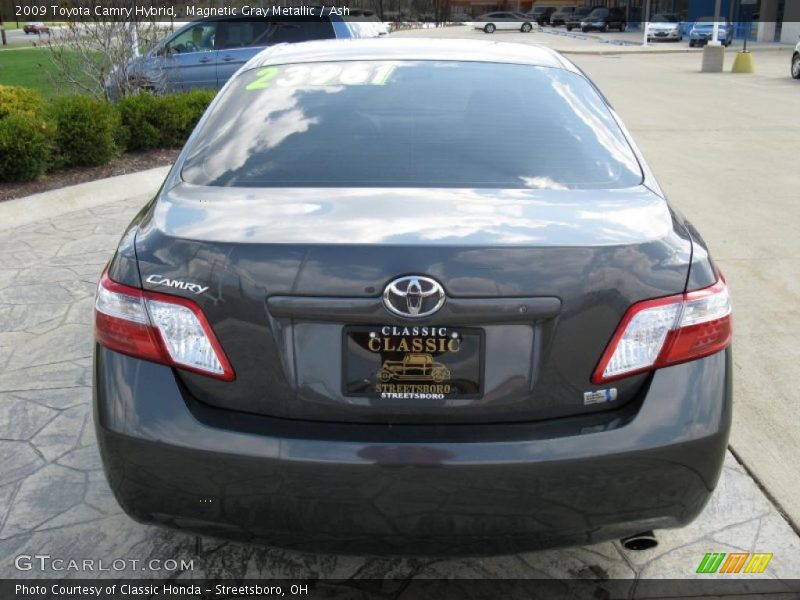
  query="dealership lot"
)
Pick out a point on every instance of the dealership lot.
point(722, 146)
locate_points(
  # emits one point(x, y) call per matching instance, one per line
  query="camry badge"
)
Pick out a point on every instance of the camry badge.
point(176, 283)
point(413, 296)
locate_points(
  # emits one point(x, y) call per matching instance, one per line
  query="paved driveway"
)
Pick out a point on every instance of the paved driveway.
point(54, 499)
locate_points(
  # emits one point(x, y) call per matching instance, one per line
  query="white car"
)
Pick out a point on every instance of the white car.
point(796, 62)
point(664, 27)
point(505, 20)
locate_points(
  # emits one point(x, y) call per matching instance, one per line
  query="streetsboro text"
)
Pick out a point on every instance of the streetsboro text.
point(265, 11)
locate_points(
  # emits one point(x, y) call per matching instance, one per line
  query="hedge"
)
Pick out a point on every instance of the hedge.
point(36, 137)
point(16, 100)
point(161, 121)
point(87, 131)
point(25, 145)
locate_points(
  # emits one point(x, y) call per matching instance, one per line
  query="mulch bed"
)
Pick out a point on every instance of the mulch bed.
point(127, 163)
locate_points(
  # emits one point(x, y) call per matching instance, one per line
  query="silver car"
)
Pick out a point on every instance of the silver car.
point(664, 27)
point(504, 21)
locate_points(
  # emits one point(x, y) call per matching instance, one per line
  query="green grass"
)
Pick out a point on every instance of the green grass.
point(30, 67)
point(20, 24)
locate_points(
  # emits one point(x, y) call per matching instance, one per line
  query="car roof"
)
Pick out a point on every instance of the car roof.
point(408, 48)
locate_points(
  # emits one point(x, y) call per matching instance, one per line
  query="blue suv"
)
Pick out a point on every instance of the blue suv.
point(703, 30)
point(207, 52)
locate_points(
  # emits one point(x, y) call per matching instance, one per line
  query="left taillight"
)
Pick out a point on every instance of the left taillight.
point(158, 327)
point(667, 331)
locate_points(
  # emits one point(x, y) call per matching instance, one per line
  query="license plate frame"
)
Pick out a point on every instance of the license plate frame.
point(436, 374)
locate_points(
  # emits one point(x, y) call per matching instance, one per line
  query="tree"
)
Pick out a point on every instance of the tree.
point(88, 52)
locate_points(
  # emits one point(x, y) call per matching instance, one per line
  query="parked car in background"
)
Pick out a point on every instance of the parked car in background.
point(503, 21)
point(577, 17)
point(368, 312)
point(541, 14)
point(35, 27)
point(207, 52)
point(796, 62)
point(603, 19)
point(664, 27)
point(561, 15)
point(703, 30)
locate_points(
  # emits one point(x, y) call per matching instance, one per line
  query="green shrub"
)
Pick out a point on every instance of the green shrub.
point(161, 121)
point(15, 100)
point(87, 130)
point(139, 117)
point(25, 147)
point(193, 104)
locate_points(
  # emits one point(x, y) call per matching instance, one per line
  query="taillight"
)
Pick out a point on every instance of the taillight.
point(158, 327)
point(667, 331)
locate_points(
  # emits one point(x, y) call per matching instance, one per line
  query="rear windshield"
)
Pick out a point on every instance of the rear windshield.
point(411, 124)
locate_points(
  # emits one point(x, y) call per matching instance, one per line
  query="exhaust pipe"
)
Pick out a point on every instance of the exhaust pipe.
point(641, 541)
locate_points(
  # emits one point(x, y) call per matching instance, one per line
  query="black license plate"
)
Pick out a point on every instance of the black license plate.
point(414, 362)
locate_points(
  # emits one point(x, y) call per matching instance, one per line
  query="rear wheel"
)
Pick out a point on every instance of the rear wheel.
point(526, 27)
point(489, 28)
point(623, 26)
point(796, 66)
point(691, 44)
point(604, 28)
point(569, 27)
point(585, 29)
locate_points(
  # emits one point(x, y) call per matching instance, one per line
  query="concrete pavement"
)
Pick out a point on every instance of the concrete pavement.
point(577, 42)
point(55, 498)
point(723, 146)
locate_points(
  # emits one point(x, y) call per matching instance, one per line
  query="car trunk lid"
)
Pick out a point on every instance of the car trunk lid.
point(292, 279)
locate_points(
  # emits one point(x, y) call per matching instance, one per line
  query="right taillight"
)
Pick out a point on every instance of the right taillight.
point(158, 327)
point(666, 331)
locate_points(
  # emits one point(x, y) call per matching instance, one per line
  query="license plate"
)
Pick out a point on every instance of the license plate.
point(415, 362)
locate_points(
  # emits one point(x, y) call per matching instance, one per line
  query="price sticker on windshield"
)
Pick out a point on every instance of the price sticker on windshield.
point(323, 74)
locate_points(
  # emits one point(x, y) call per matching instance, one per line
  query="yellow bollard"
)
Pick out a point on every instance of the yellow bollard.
point(743, 63)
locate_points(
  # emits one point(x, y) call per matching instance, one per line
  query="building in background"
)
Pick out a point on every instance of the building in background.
point(772, 20)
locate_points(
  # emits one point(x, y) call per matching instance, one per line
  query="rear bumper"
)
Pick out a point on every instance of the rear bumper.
point(412, 489)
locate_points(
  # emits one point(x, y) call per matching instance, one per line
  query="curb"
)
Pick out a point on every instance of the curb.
point(46, 205)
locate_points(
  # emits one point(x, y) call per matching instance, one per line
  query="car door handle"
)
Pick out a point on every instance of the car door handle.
point(228, 58)
point(204, 60)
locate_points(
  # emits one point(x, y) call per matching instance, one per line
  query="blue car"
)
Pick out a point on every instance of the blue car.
point(207, 52)
point(703, 30)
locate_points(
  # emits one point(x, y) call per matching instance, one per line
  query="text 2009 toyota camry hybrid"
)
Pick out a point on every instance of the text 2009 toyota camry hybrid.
point(410, 296)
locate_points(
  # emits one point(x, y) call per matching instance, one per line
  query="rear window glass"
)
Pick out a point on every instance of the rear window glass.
point(411, 124)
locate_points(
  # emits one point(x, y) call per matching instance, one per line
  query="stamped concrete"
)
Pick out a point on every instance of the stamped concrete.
point(54, 498)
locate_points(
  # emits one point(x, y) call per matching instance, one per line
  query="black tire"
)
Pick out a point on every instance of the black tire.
point(691, 43)
point(728, 43)
point(604, 27)
point(585, 29)
point(526, 28)
point(569, 27)
point(623, 26)
point(796, 66)
point(489, 28)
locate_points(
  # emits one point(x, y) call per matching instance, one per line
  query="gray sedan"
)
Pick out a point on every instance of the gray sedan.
point(381, 304)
